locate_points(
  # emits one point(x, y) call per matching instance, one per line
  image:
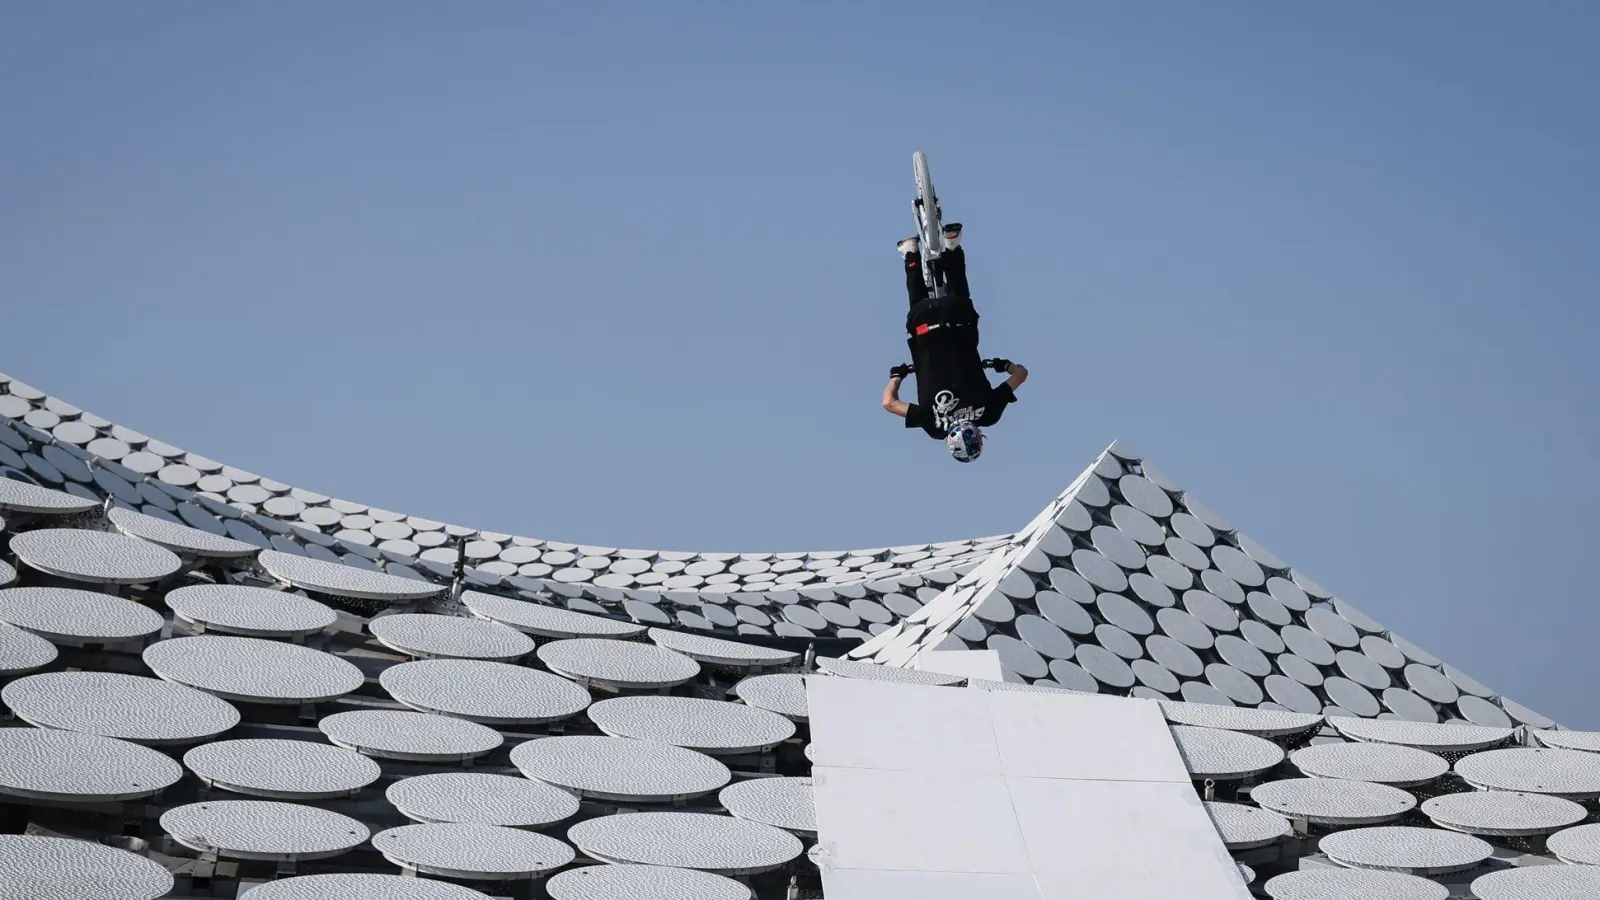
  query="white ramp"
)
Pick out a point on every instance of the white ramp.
point(938, 793)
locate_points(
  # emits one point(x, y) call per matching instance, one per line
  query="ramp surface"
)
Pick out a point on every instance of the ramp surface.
point(928, 793)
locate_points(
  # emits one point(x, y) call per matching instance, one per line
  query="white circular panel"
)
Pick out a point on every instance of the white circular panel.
point(130, 707)
point(253, 669)
point(484, 691)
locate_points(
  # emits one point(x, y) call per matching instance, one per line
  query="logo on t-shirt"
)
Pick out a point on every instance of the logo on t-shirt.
point(945, 414)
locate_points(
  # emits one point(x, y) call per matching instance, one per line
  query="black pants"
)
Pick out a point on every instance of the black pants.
point(950, 269)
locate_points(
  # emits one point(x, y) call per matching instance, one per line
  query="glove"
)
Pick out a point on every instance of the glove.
point(998, 364)
point(900, 371)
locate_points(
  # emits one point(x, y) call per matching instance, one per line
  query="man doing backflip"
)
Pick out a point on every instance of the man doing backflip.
point(955, 401)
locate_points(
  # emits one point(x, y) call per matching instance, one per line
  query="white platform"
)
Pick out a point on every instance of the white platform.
point(929, 793)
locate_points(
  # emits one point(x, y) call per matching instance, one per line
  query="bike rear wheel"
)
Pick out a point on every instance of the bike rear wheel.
point(928, 219)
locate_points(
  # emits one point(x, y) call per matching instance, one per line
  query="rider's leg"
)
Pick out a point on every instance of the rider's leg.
point(953, 271)
point(916, 288)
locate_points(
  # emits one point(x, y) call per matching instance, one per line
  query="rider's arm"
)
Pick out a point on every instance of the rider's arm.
point(891, 397)
point(1018, 373)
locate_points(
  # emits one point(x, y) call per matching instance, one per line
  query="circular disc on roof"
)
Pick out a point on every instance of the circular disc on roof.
point(1300, 670)
point(1214, 753)
point(1044, 637)
point(342, 580)
point(710, 726)
point(484, 691)
point(1353, 884)
point(1289, 594)
point(1071, 677)
point(1210, 610)
point(1117, 546)
point(351, 886)
point(1378, 763)
point(1065, 614)
point(1238, 686)
point(1154, 676)
point(23, 651)
point(1184, 628)
point(1224, 587)
point(47, 764)
point(1017, 657)
point(627, 881)
point(1352, 696)
point(1576, 846)
point(712, 843)
point(781, 802)
point(1382, 652)
point(180, 539)
point(614, 768)
point(1235, 564)
point(1169, 572)
point(1333, 801)
point(1439, 738)
point(1174, 656)
point(1098, 570)
point(263, 829)
point(51, 868)
point(545, 621)
point(1188, 555)
point(618, 664)
point(1125, 614)
point(1106, 667)
point(1525, 715)
point(250, 611)
point(720, 652)
point(1093, 492)
point(452, 637)
point(1479, 711)
point(472, 851)
point(1145, 496)
point(1400, 847)
point(1355, 616)
point(97, 557)
point(1570, 740)
point(1467, 683)
point(1244, 827)
point(1330, 627)
point(1307, 645)
point(1267, 608)
point(1259, 722)
point(253, 669)
point(131, 707)
point(1539, 883)
point(1363, 671)
point(1292, 694)
point(1261, 637)
point(1563, 773)
point(1193, 530)
point(396, 734)
point(22, 497)
point(1242, 655)
point(1138, 525)
point(1502, 812)
point(1409, 706)
point(283, 769)
point(481, 798)
point(784, 694)
point(1151, 591)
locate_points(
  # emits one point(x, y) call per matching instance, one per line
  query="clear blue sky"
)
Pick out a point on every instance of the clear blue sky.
point(622, 273)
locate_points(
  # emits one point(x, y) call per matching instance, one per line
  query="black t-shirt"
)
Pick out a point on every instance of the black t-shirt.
point(952, 385)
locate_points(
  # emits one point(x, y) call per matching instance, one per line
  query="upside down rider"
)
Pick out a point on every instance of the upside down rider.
point(955, 401)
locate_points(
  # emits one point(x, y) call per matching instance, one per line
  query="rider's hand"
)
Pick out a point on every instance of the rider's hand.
point(900, 371)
